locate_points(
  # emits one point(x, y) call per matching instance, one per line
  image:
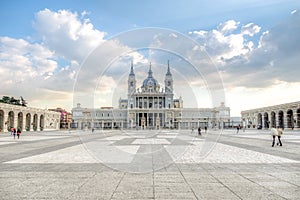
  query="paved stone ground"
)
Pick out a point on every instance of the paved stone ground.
point(167, 164)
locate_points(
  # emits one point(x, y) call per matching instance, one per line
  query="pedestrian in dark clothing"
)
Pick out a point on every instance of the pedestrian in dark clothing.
point(205, 129)
point(19, 133)
point(238, 128)
point(199, 131)
point(14, 133)
point(279, 130)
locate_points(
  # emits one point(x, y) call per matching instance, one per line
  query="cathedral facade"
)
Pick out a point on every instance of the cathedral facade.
point(150, 106)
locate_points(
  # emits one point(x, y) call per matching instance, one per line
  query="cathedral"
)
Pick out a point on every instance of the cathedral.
point(150, 106)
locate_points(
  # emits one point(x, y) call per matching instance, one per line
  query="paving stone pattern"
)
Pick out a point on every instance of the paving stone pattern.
point(168, 164)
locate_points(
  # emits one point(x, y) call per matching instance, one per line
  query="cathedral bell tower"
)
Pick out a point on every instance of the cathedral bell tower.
point(169, 81)
point(169, 89)
point(131, 86)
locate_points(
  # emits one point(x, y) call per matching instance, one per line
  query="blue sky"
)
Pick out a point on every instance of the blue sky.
point(116, 16)
point(247, 39)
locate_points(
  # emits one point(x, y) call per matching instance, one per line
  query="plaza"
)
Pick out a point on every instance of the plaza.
point(149, 164)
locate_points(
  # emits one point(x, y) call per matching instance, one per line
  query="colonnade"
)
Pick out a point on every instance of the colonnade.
point(27, 119)
point(284, 115)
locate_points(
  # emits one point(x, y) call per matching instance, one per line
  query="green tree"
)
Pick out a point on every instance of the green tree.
point(23, 102)
point(13, 101)
point(6, 99)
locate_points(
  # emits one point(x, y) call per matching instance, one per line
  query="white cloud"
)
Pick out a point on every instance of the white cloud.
point(21, 60)
point(250, 58)
point(293, 12)
point(250, 29)
point(228, 26)
point(228, 42)
point(265, 59)
point(51, 61)
point(69, 35)
point(256, 64)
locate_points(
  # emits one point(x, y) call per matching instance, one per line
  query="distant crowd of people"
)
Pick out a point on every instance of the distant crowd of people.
point(275, 132)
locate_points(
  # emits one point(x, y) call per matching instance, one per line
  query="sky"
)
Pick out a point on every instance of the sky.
point(57, 53)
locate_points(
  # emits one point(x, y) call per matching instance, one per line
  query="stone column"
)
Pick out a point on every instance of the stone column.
point(147, 102)
point(270, 119)
point(147, 121)
point(31, 122)
point(277, 117)
point(5, 120)
point(297, 124)
point(38, 122)
point(3, 124)
point(255, 120)
point(15, 124)
point(285, 123)
point(262, 120)
point(24, 122)
point(294, 122)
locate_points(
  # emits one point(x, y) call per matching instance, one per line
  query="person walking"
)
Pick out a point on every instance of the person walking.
point(205, 129)
point(237, 129)
point(192, 130)
point(279, 131)
point(199, 131)
point(19, 133)
point(14, 133)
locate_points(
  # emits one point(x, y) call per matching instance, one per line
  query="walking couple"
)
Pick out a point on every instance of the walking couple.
point(276, 132)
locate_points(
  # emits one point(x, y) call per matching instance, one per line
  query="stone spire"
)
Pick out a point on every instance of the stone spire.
point(131, 81)
point(150, 73)
point(169, 80)
point(131, 69)
point(168, 71)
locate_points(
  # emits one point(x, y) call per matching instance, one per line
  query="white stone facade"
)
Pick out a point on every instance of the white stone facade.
point(27, 119)
point(150, 107)
point(284, 115)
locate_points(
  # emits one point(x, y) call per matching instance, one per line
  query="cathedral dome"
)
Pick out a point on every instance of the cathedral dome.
point(150, 84)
